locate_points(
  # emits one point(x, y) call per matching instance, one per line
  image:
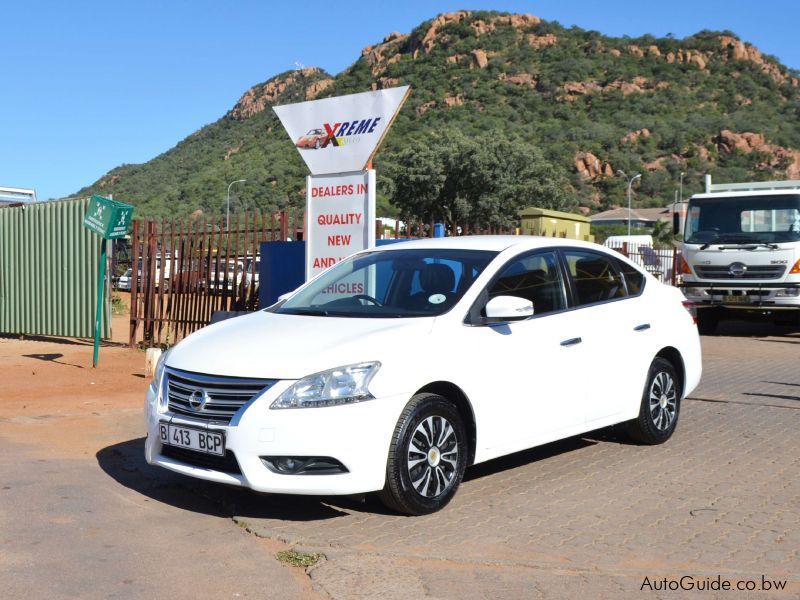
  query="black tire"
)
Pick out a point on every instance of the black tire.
point(661, 405)
point(406, 490)
point(707, 321)
point(788, 319)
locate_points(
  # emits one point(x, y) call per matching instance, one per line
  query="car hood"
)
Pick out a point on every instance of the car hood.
point(277, 346)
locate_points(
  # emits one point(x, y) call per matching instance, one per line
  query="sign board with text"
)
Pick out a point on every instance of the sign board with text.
point(108, 218)
point(340, 218)
point(341, 134)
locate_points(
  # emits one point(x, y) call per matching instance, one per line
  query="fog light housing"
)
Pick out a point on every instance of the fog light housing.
point(695, 291)
point(788, 293)
point(303, 465)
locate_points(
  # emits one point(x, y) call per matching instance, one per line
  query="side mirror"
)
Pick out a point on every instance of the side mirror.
point(508, 308)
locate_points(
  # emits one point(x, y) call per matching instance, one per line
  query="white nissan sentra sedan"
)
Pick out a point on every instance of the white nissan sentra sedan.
point(399, 367)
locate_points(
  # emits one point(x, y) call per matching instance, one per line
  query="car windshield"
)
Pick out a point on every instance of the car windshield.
point(391, 283)
point(744, 220)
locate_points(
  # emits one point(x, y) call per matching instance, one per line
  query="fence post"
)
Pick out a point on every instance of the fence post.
point(674, 277)
point(134, 309)
point(284, 225)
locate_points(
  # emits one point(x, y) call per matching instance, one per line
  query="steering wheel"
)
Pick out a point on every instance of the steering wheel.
point(368, 299)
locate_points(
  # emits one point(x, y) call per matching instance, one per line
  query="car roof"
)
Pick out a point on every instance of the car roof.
point(496, 243)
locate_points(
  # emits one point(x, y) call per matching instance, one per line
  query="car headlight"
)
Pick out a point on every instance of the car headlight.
point(343, 385)
point(158, 376)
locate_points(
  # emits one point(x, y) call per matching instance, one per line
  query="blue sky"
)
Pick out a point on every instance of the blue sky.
point(91, 85)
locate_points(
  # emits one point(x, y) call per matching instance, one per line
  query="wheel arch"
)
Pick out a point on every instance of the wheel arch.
point(457, 396)
point(673, 355)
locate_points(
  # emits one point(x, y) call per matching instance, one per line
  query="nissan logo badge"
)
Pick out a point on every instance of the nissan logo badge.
point(197, 400)
point(737, 269)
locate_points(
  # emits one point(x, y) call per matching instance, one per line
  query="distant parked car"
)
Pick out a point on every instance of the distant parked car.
point(124, 281)
point(228, 276)
point(253, 267)
point(315, 138)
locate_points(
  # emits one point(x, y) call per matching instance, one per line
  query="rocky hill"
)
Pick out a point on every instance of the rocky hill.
point(592, 104)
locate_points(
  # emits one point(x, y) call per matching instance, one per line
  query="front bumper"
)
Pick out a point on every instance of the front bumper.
point(358, 435)
point(743, 295)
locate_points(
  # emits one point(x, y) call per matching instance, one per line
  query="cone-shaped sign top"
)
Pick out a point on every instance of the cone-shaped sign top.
point(342, 133)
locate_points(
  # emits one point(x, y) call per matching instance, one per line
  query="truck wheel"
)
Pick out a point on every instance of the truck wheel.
point(791, 320)
point(707, 321)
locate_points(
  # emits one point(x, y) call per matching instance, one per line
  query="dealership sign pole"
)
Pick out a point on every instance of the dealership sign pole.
point(110, 220)
point(337, 138)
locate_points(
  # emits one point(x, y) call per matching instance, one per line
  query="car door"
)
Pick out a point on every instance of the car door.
point(603, 309)
point(523, 372)
point(641, 324)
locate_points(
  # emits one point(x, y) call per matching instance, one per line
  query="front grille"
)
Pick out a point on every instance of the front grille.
point(752, 272)
point(223, 464)
point(210, 397)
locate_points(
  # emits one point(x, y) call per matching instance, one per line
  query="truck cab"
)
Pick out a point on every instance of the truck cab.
point(741, 252)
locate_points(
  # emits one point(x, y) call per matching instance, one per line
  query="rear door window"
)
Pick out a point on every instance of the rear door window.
point(594, 277)
point(634, 278)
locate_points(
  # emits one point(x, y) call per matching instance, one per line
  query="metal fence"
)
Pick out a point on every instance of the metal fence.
point(661, 262)
point(48, 270)
point(184, 271)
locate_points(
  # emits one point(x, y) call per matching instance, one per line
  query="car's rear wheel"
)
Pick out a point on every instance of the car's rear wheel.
point(661, 403)
point(427, 457)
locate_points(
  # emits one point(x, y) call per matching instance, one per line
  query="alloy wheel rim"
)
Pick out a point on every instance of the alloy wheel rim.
point(663, 401)
point(432, 457)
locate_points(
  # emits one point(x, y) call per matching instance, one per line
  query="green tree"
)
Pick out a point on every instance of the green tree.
point(484, 181)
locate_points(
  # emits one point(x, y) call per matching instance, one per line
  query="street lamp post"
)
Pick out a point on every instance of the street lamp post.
point(681, 187)
point(228, 203)
point(630, 184)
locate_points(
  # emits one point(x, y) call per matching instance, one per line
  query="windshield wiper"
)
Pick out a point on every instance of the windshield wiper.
point(742, 242)
point(750, 246)
point(312, 312)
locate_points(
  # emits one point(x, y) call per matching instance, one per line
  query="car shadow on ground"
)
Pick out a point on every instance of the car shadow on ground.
point(525, 457)
point(124, 462)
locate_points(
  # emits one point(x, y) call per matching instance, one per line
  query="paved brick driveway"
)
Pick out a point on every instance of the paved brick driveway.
point(592, 515)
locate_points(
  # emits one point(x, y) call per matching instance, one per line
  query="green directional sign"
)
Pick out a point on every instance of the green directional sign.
point(108, 218)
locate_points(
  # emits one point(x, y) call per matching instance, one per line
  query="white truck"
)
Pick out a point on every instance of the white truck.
point(741, 252)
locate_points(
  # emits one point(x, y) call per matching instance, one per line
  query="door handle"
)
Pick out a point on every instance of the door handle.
point(571, 342)
point(642, 327)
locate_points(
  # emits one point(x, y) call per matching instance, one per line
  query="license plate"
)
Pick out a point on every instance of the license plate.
point(743, 299)
point(210, 442)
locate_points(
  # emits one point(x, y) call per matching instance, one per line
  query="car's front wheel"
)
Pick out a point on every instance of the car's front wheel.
point(427, 457)
point(661, 403)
